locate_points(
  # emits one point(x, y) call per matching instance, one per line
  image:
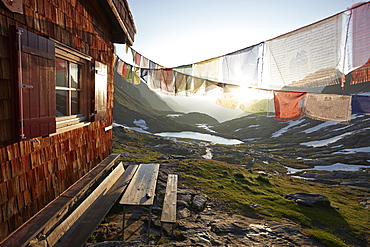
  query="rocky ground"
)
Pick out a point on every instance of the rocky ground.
point(200, 222)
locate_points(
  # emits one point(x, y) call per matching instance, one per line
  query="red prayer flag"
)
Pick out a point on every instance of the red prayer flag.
point(137, 58)
point(167, 80)
point(287, 106)
point(124, 70)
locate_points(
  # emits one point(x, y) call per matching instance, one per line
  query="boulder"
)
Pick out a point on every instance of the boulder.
point(182, 204)
point(183, 213)
point(178, 157)
point(164, 157)
point(308, 199)
point(366, 204)
point(185, 197)
point(199, 203)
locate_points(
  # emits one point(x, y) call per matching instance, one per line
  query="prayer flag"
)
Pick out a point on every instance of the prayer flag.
point(328, 107)
point(144, 74)
point(155, 79)
point(360, 35)
point(167, 81)
point(208, 69)
point(360, 104)
point(180, 82)
point(128, 76)
point(228, 100)
point(136, 75)
point(152, 65)
point(115, 62)
point(197, 84)
point(124, 69)
point(120, 64)
point(144, 62)
point(137, 58)
point(287, 105)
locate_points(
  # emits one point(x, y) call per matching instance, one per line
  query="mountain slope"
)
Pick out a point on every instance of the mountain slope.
point(135, 102)
point(309, 141)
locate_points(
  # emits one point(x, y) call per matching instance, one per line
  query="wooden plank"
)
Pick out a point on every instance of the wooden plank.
point(86, 225)
point(104, 186)
point(57, 208)
point(34, 70)
point(170, 200)
point(141, 190)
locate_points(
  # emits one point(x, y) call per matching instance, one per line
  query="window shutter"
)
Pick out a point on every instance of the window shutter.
point(35, 88)
point(101, 81)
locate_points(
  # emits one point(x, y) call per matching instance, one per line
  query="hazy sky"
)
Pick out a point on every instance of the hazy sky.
point(174, 32)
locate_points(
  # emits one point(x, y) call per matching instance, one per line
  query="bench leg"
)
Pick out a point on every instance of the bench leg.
point(150, 219)
point(123, 223)
point(173, 228)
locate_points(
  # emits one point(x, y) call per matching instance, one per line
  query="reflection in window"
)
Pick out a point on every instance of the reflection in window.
point(62, 105)
point(61, 72)
point(74, 103)
point(67, 87)
point(73, 68)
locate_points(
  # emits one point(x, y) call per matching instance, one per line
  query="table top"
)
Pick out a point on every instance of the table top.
point(141, 190)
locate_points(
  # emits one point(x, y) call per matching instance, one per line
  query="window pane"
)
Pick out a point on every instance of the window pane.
point(75, 103)
point(74, 75)
point(61, 67)
point(62, 103)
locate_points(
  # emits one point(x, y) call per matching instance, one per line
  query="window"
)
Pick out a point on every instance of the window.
point(67, 87)
point(57, 89)
point(72, 87)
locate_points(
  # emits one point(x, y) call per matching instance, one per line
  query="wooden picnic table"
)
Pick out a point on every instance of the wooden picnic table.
point(141, 191)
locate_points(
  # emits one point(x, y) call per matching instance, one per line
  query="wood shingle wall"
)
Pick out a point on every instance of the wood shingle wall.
point(34, 173)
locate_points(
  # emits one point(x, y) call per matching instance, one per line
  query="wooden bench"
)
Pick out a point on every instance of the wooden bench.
point(170, 202)
point(51, 215)
point(102, 200)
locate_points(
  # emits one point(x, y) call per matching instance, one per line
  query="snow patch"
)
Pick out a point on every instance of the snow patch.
point(250, 139)
point(141, 124)
point(174, 115)
point(319, 127)
point(286, 128)
point(208, 154)
point(326, 142)
point(334, 167)
point(137, 129)
point(200, 136)
point(354, 150)
point(206, 127)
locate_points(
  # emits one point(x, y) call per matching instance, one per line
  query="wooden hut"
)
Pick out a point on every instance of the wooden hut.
point(56, 97)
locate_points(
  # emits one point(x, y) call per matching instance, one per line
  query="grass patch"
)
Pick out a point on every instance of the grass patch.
point(326, 237)
point(236, 189)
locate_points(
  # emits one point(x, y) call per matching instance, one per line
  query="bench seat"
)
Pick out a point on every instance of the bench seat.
point(170, 202)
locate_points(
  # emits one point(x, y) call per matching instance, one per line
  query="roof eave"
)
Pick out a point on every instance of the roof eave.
point(120, 33)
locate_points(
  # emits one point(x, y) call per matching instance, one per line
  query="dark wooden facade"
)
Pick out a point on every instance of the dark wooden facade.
point(36, 168)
